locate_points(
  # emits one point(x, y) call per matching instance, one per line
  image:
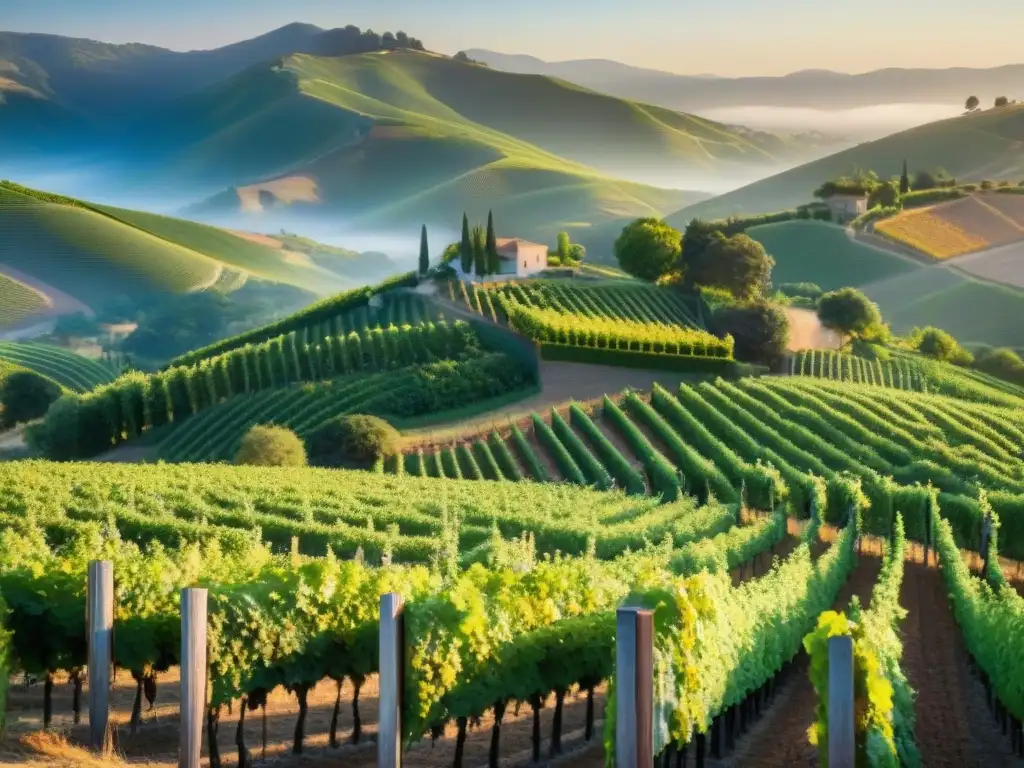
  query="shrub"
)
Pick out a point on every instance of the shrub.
point(921, 197)
point(1001, 362)
point(939, 345)
point(270, 446)
point(357, 441)
point(760, 331)
point(24, 396)
point(875, 214)
point(805, 290)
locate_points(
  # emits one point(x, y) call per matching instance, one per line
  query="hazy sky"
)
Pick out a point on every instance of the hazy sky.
point(726, 37)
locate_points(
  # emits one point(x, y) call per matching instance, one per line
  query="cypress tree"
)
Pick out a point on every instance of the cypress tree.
point(491, 246)
point(904, 180)
point(479, 251)
point(424, 253)
point(466, 249)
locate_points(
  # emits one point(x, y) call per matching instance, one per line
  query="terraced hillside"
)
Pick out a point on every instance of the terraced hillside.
point(95, 253)
point(18, 302)
point(982, 145)
point(71, 371)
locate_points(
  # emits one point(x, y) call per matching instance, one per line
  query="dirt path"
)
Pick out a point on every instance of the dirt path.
point(807, 332)
point(779, 739)
point(954, 727)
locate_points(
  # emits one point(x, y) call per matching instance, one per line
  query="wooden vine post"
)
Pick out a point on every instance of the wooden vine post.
point(841, 733)
point(193, 676)
point(634, 688)
point(100, 625)
point(392, 669)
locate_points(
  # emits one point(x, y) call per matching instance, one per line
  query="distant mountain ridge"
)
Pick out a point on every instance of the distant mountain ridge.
point(832, 90)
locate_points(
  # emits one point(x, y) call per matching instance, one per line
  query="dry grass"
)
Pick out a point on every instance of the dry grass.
point(55, 750)
point(926, 231)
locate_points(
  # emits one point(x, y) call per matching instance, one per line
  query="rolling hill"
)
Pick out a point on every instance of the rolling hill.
point(106, 82)
point(93, 254)
point(909, 293)
point(983, 145)
point(406, 136)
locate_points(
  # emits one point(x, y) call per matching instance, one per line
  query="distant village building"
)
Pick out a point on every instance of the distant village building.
point(517, 258)
point(847, 207)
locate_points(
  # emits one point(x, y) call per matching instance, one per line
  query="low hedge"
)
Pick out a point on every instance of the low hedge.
point(719, 366)
point(929, 196)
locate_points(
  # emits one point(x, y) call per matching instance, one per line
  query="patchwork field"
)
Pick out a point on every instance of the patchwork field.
point(927, 231)
point(958, 227)
point(1003, 264)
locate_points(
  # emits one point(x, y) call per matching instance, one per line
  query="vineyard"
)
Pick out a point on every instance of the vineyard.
point(445, 364)
point(326, 313)
point(718, 439)
point(898, 373)
point(746, 514)
point(618, 323)
point(71, 371)
point(19, 301)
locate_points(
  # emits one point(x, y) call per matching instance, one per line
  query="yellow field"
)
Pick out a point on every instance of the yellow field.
point(923, 230)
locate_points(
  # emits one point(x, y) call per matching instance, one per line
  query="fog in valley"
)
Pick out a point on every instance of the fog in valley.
point(852, 125)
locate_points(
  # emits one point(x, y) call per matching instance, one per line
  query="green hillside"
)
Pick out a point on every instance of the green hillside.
point(74, 372)
point(406, 136)
point(93, 257)
point(909, 294)
point(824, 254)
point(18, 301)
point(983, 145)
point(975, 311)
point(96, 253)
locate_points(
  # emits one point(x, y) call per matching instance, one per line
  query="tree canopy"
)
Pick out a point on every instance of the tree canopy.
point(972, 103)
point(738, 264)
point(886, 194)
point(648, 248)
point(760, 331)
point(859, 183)
point(848, 311)
point(938, 344)
point(925, 179)
point(1001, 101)
point(24, 396)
